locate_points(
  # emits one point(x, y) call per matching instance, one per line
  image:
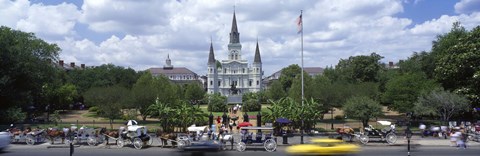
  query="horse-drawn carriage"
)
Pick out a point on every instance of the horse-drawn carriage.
point(265, 140)
point(203, 133)
point(28, 135)
point(386, 134)
point(83, 134)
point(132, 134)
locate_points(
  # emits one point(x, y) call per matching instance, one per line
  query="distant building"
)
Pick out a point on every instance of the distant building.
point(175, 74)
point(68, 67)
point(235, 76)
point(392, 65)
point(312, 71)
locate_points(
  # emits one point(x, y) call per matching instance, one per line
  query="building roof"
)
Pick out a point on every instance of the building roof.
point(234, 35)
point(211, 55)
point(175, 70)
point(257, 58)
point(311, 70)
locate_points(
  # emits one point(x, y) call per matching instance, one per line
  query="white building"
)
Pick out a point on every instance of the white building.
point(234, 72)
point(175, 74)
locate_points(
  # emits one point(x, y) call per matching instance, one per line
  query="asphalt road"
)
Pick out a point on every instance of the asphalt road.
point(24, 150)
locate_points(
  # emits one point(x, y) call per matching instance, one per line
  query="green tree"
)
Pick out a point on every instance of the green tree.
point(362, 108)
point(458, 61)
point(275, 91)
point(403, 90)
point(194, 94)
point(216, 102)
point(251, 102)
point(360, 68)
point(440, 103)
point(288, 75)
point(164, 112)
point(295, 90)
point(25, 66)
point(109, 100)
point(144, 94)
point(13, 114)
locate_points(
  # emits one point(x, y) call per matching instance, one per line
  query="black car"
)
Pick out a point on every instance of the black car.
point(203, 146)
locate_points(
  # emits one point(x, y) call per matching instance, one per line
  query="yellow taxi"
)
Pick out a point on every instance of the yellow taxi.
point(323, 147)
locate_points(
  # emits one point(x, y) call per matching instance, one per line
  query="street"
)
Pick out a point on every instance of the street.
point(24, 150)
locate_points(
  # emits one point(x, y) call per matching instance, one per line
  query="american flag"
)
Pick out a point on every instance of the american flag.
point(299, 24)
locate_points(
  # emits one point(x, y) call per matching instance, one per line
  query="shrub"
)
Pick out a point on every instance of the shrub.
point(93, 109)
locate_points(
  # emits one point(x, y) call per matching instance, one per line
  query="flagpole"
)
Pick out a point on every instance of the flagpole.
point(302, 128)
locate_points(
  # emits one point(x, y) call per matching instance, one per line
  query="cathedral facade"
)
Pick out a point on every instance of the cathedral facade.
point(234, 76)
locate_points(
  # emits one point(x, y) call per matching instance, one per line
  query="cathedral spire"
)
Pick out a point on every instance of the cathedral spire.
point(211, 56)
point(234, 35)
point(257, 58)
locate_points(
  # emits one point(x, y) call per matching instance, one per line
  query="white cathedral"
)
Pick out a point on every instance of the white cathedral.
point(234, 77)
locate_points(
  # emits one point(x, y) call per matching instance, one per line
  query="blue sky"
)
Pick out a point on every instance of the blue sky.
point(141, 33)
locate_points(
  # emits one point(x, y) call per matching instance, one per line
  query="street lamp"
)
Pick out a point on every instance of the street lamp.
point(408, 132)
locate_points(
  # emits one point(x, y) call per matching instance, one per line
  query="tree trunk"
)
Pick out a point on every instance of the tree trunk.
point(365, 123)
point(111, 124)
point(144, 118)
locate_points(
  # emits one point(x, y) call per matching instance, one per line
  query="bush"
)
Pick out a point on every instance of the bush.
point(251, 106)
point(130, 115)
point(217, 103)
point(93, 109)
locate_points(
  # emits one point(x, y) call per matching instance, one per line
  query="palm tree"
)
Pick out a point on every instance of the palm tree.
point(163, 112)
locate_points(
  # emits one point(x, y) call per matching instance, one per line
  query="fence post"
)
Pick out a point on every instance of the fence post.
point(93, 123)
point(77, 122)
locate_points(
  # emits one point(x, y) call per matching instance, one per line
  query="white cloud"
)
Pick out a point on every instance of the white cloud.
point(467, 6)
point(50, 20)
point(140, 34)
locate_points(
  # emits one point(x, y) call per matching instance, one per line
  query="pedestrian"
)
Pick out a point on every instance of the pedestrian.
point(230, 126)
point(463, 137)
point(453, 139)
point(218, 119)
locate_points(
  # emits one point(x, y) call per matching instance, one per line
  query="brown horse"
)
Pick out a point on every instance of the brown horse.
point(347, 132)
point(54, 133)
point(108, 134)
point(165, 137)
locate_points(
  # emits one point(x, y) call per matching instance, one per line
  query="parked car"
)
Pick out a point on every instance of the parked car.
point(4, 140)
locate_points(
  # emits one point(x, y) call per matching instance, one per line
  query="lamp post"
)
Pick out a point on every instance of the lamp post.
point(408, 132)
point(331, 115)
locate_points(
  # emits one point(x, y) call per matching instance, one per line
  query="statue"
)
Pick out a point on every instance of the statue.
point(233, 89)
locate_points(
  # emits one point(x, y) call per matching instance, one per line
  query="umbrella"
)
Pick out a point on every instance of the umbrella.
point(244, 124)
point(283, 120)
point(385, 123)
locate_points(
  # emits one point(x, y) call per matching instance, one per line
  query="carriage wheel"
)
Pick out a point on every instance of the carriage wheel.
point(150, 140)
point(42, 138)
point(270, 145)
point(120, 142)
point(241, 146)
point(181, 144)
point(391, 138)
point(138, 143)
point(363, 138)
point(30, 140)
point(100, 139)
point(91, 141)
point(68, 141)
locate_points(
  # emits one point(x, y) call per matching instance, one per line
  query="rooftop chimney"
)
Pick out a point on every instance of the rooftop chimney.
point(72, 64)
point(60, 63)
